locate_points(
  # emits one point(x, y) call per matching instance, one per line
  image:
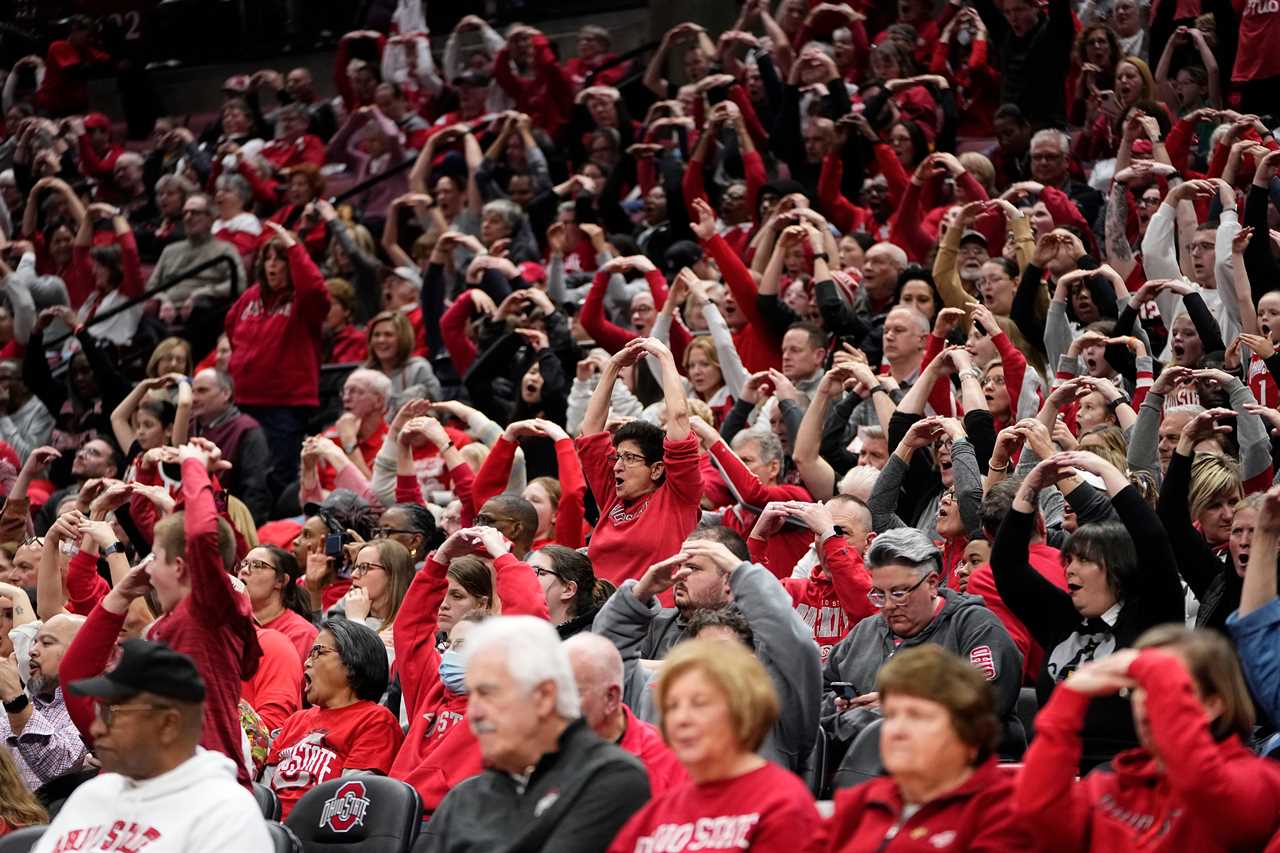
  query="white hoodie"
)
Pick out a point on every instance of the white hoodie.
point(196, 807)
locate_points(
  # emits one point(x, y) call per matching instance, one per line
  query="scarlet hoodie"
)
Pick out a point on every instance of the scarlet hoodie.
point(113, 812)
point(1208, 795)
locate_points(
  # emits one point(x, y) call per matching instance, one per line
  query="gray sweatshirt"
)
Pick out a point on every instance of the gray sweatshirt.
point(783, 643)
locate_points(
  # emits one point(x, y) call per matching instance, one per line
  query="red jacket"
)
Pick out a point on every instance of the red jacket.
point(614, 338)
point(1201, 794)
point(783, 549)
point(834, 597)
point(275, 338)
point(547, 95)
point(492, 478)
point(759, 350)
point(285, 154)
point(629, 537)
point(975, 817)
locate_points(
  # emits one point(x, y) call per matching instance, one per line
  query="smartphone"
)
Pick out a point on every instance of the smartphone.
point(333, 545)
point(844, 689)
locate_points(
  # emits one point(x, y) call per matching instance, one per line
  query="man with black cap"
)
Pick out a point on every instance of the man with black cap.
point(158, 788)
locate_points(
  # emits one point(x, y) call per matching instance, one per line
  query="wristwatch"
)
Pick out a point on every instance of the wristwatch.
point(821, 256)
point(1112, 405)
point(114, 548)
point(17, 704)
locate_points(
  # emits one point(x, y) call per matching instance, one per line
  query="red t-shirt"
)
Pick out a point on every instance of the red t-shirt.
point(644, 741)
point(301, 633)
point(630, 537)
point(275, 690)
point(767, 810)
point(1256, 56)
point(320, 744)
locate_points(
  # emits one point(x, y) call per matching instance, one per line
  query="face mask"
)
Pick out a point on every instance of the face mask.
point(453, 671)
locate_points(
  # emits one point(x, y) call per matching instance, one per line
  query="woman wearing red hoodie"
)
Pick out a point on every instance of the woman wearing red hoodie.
point(275, 329)
point(456, 581)
point(1191, 785)
point(944, 790)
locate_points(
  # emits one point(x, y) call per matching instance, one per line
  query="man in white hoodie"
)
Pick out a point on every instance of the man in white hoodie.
point(158, 791)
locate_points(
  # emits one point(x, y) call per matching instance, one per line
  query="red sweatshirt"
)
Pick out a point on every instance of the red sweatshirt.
point(644, 741)
point(495, 472)
point(79, 278)
point(973, 817)
point(844, 214)
point(1199, 795)
point(437, 753)
point(453, 330)
point(546, 95)
point(614, 338)
point(1048, 563)
point(213, 624)
point(759, 350)
point(834, 597)
point(767, 810)
point(630, 537)
point(276, 338)
point(85, 587)
point(275, 690)
point(318, 744)
point(785, 548)
point(300, 633)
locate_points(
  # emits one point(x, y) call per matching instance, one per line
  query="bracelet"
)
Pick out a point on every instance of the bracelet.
point(880, 388)
point(1001, 468)
point(971, 372)
point(114, 548)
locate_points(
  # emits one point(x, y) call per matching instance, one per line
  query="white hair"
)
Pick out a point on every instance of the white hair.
point(858, 482)
point(374, 380)
point(895, 253)
point(1054, 135)
point(598, 655)
point(533, 653)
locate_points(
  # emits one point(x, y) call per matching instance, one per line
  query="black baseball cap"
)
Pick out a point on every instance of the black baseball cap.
point(145, 666)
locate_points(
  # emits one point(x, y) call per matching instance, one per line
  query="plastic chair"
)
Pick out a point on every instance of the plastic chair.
point(357, 814)
point(282, 838)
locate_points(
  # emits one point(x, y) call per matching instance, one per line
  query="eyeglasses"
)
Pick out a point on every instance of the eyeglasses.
point(1148, 202)
point(254, 566)
point(388, 531)
point(7, 613)
point(359, 570)
point(628, 459)
point(544, 572)
point(38, 541)
point(879, 597)
point(320, 651)
point(106, 714)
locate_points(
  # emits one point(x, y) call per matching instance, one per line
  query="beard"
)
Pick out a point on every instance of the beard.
point(42, 685)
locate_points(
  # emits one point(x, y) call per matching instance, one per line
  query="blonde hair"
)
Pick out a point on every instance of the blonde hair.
point(977, 164)
point(707, 347)
point(404, 338)
point(1212, 477)
point(1113, 448)
point(18, 806)
point(162, 351)
point(737, 674)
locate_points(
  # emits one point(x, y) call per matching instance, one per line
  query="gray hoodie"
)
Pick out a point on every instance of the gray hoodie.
point(783, 643)
point(964, 626)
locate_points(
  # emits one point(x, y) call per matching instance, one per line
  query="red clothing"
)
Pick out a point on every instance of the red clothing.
point(275, 339)
point(974, 816)
point(614, 338)
point(759, 350)
point(85, 587)
point(644, 741)
point(213, 624)
point(1045, 560)
point(453, 331)
point(285, 154)
point(349, 345)
point(79, 278)
point(436, 750)
point(65, 88)
point(629, 537)
point(368, 447)
point(785, 548)
point(767, 810)
point(546, 95)
point(300, 632)
point(1207, 796)
point(577, 69)
point(275, 690)
point(834, 597)
point(1256, 56)
point(419, 330)
point(494, 473)
point(319, 744)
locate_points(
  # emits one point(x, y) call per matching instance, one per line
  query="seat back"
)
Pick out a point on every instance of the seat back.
point(862, 762)
point(282, 838)
point(1027, 706)
point(357, 814)
point(21, 840)
point(817, 776)
point(268, 802)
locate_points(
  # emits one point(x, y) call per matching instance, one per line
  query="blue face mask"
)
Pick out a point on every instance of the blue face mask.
point(453, 671)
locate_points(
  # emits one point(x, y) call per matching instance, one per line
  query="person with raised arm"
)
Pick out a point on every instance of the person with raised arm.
point(647, 481)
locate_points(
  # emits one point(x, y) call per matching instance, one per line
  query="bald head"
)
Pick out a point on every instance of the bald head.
point(52, 641)
point(597, 667)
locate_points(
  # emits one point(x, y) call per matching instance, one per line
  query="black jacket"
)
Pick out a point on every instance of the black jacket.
point(575, 801)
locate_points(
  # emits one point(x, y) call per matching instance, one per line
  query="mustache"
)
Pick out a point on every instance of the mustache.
point(482, 727)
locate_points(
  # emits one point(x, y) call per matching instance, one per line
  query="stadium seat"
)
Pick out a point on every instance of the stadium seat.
point(817, 775)
point(1027, 706)
point(268, 802)
point(21, 840)
point(357, 814)
point(862, 762)
point(282, 838)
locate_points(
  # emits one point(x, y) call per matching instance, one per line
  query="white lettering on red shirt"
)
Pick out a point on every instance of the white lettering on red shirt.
point(727, 832)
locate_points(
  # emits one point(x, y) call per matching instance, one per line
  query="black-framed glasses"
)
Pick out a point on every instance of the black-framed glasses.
point(106, 714)
point(382, 532)
point(543, 572)
point(484, 519)
point(320, 651)
point(254, 566)
point(359, 570)
point(628, 459)
point(37, 541)
point(879, 597)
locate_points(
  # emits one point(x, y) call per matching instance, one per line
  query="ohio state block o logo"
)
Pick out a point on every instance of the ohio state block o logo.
point(346, 809)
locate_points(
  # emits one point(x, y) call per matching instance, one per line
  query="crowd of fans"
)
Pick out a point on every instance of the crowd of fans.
point(853, 430)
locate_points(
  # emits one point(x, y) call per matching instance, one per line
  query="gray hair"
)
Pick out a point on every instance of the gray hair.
point(374, 380)
point(223, 378)
point(895, 254)
point(597, 654)
point(509, 211)
point(178, 182)
point(128, 158)
point(533, 655)
point(237, 185)
point(917, 317)
point(768, 443)
point(1052, 134)
point(904, 546)
point(872, 432)
point(858, 482)
point(1189, 409)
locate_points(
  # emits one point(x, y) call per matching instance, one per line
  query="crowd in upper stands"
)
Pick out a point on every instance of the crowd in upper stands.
point(853, 430)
